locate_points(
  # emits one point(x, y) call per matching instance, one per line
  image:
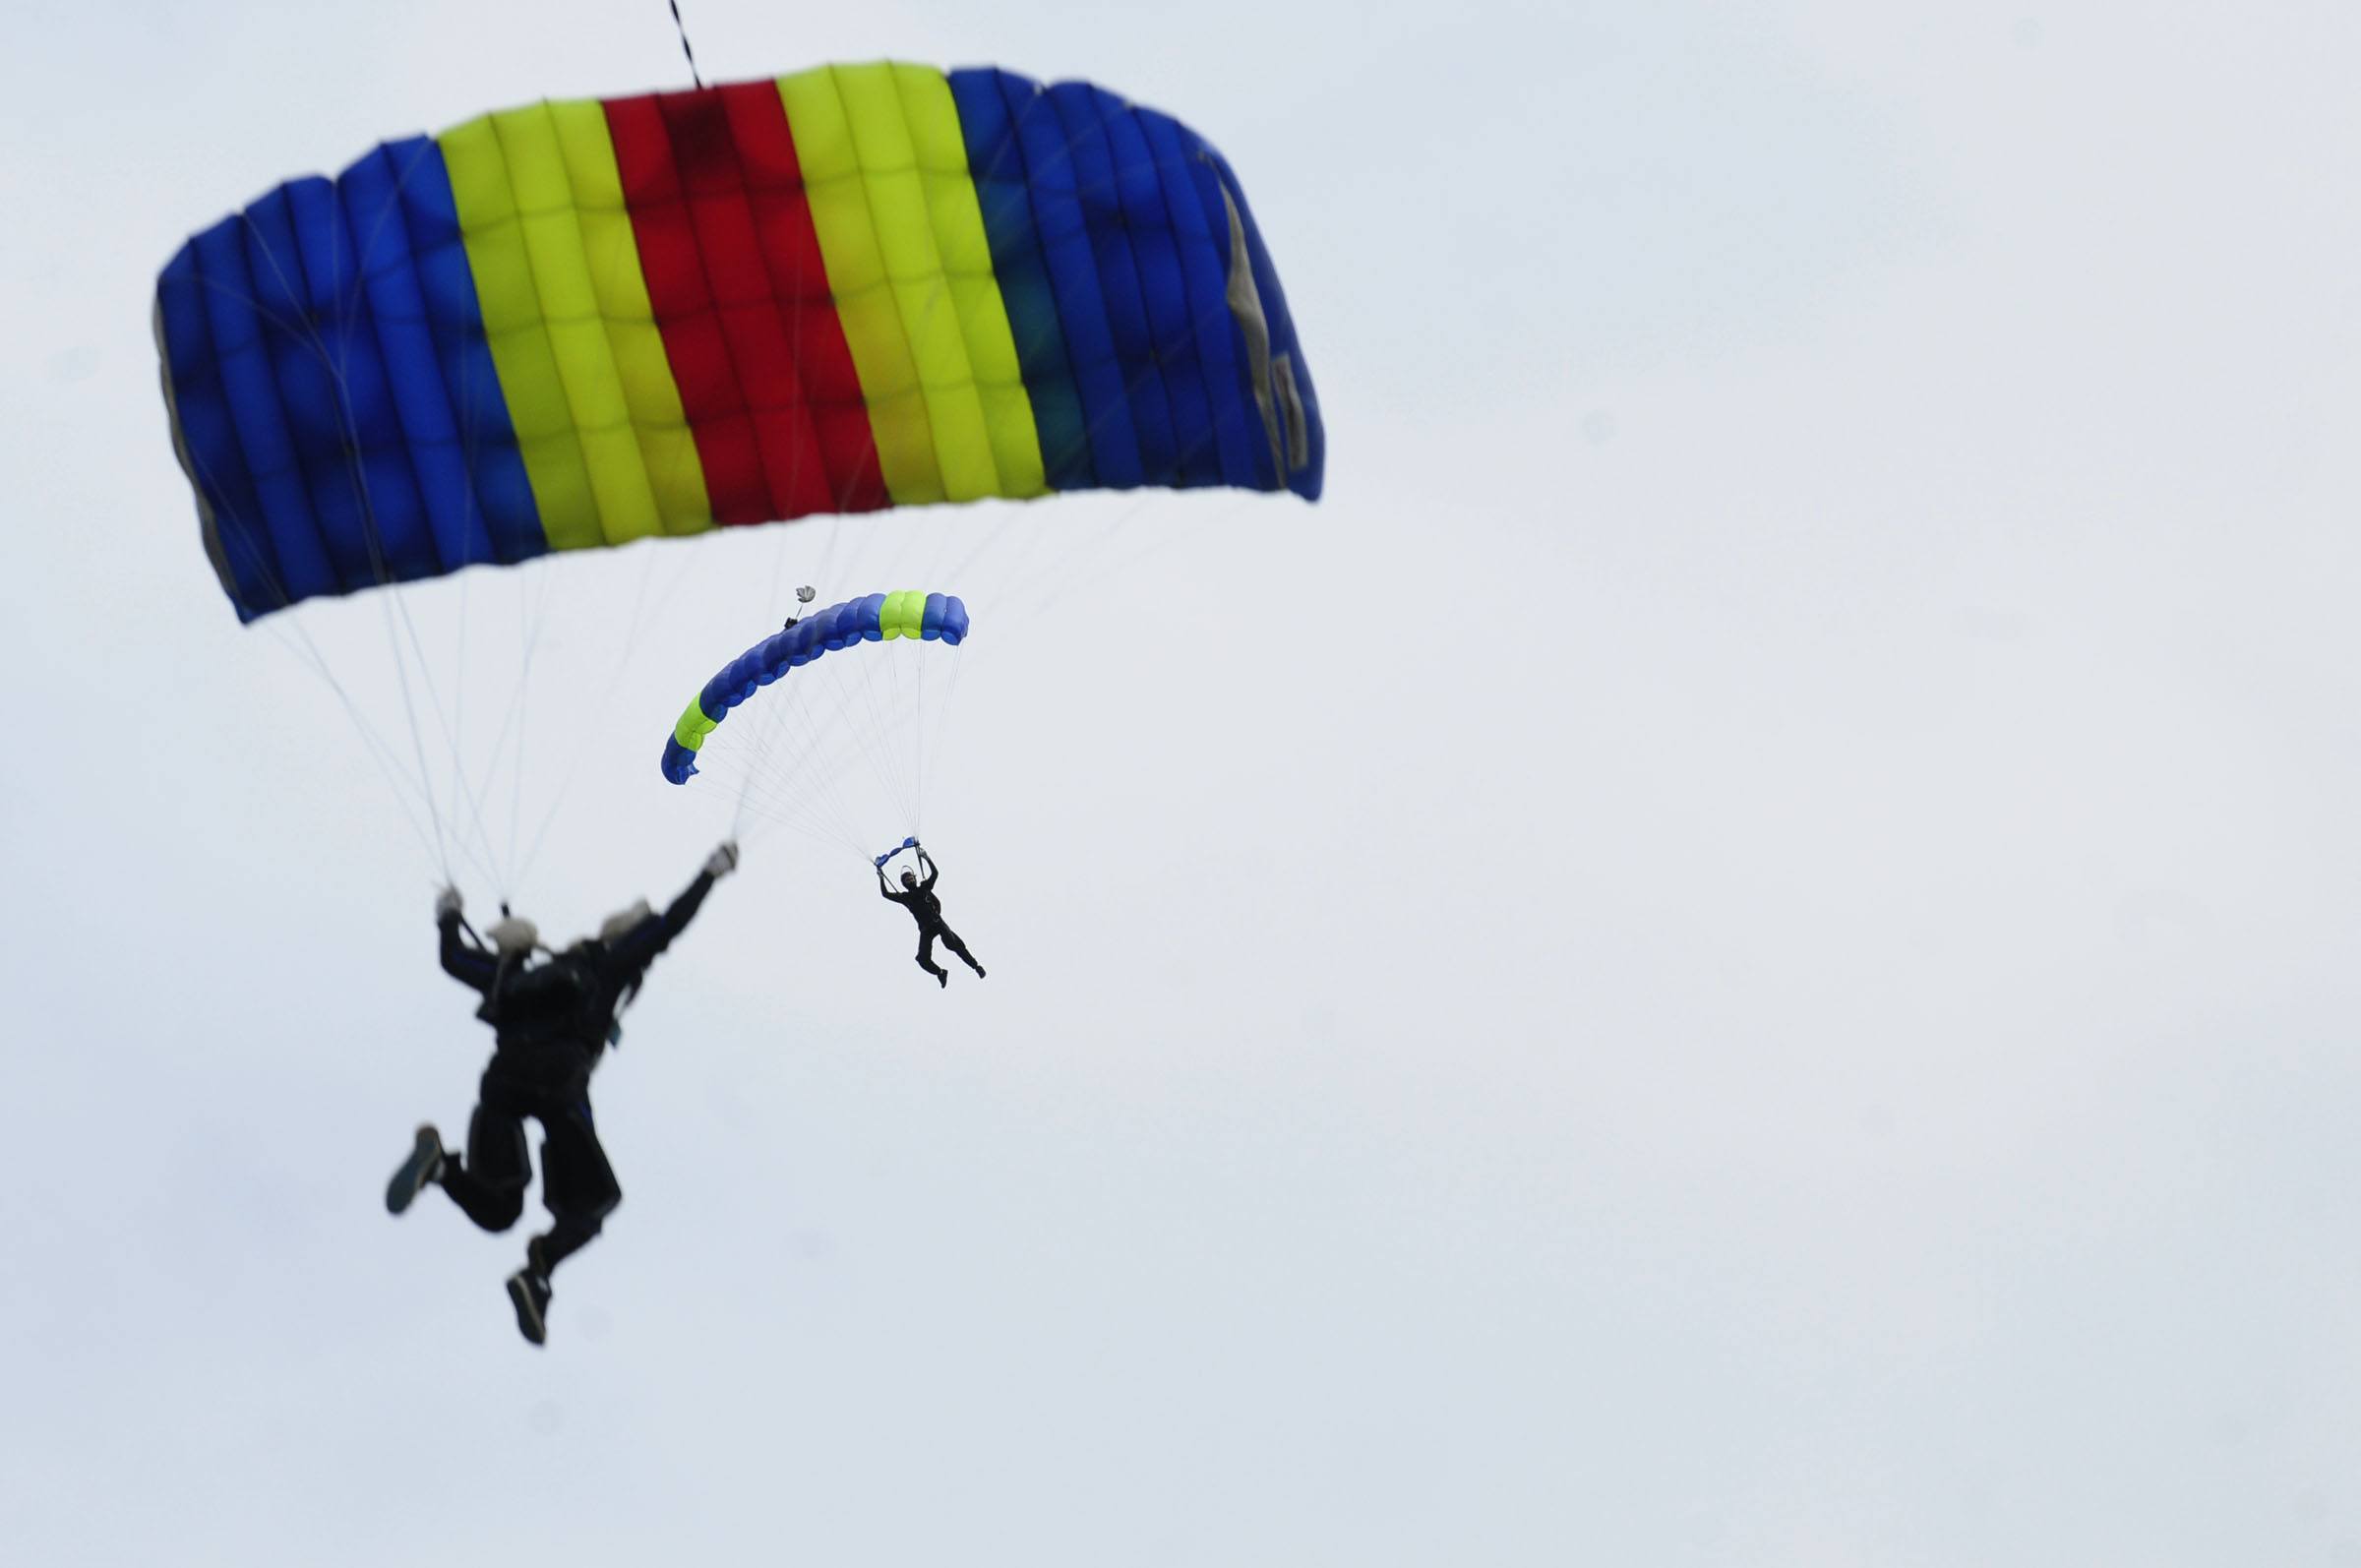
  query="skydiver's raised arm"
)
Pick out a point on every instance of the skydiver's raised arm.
point(463, 961)
point(639, 945)
point(928, 861)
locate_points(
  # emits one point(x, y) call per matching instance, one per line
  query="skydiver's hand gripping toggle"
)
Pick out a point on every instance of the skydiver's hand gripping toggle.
point(907, 843)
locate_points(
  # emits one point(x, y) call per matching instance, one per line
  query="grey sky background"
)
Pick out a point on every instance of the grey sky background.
point(1737, 952)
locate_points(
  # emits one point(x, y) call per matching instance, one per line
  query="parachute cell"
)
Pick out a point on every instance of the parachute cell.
point(580, 324)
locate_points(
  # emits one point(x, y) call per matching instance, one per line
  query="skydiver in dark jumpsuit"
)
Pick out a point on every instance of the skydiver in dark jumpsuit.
point(919, 898)
point(552, 1021)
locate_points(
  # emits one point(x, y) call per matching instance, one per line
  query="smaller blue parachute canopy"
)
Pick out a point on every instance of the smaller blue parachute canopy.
point(873, 618)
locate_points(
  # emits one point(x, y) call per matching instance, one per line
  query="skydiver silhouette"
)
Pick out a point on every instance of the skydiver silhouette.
point(919, 898)
point(550, 1019)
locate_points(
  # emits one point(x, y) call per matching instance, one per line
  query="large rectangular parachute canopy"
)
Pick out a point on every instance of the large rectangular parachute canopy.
point(579, 324)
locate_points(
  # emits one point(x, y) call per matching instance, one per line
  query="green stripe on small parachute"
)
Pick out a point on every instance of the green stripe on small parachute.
point(903, 615)
point(694, 727)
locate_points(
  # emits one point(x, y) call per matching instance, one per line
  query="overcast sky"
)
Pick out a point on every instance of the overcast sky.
point(1738, 951)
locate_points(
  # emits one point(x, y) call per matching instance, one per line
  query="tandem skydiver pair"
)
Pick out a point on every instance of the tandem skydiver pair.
point(554, 1015)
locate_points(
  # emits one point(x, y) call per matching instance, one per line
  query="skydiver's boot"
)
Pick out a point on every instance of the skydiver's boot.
point(424, 1166)
point(529, 1293)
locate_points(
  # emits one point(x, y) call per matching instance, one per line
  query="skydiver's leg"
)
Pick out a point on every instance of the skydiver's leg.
point(951, 940)
point(579, 1190)
point(926, 957)
point(578, 1184)
point(488, 1184)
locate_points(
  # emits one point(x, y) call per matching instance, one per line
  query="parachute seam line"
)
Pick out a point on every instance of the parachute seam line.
point(1029, 173)
point(579, 204)
point(253, 239)
point(1121, 231)
point(1093, 298)
point(393, 404)
point(236, 425)
point(254, 539)
point(838, 493)
point(784, 508)
point(209, 522)
point(940, 283)
point(532, 273)
point(869, 205)
point(1169, 198)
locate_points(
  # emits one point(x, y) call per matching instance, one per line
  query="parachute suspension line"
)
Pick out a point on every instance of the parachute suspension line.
point(508, 730)
point(410, 711)
point(942, 705)
point(881, 727)
point(918, 806)
point(530, 606)
point(778, 569)
point(1092, 570)
point(865, 740)
point(787, 804)
point(375, 743)
point(691, 54)
point(836, 532)
point(819, 761)
point(644, 615)
point(990, 538)
point(862, 740)
point(890, 717)
point(819, 810)
point(382, 752)
point(764, 740)
point(777, 793)
point(1041, 588)
point(458, 702)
